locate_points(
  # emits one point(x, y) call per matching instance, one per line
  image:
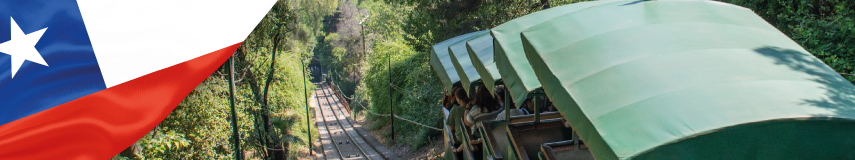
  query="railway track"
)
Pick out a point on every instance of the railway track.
point(338, 137)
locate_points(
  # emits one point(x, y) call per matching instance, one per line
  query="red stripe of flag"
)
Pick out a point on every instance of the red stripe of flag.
point(102, 124)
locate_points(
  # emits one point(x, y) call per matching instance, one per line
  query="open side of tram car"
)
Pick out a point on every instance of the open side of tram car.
point(441, 63)
point(668, 79)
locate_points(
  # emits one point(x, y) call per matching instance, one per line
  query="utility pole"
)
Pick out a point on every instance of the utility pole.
point(362, 32)
point(391, 104)
point(235, 134)
point(545, 4)
point(306, 99)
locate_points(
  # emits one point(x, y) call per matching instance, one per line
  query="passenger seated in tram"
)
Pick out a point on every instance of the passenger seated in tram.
point(484, 104)
point(486, 108)
point(449, 101)
point(526, 108)
point(457, 113)
point(445, 100)
point(500, 95)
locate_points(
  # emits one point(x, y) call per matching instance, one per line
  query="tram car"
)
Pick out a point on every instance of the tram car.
point(634, 79)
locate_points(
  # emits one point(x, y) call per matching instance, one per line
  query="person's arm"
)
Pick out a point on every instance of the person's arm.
point(474, 112)
point(474, 142)
point(466, 118)
point(450, 121)
point(501, 115)
point(444, 101)
point(566, 123)
point(458, 149)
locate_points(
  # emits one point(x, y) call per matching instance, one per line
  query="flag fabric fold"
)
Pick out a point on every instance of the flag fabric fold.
point(86, 79)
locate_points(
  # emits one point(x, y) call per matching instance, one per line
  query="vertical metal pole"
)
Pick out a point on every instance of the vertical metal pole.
point(537, 103)
point(391, 106)
point(235, 136)
point(362, 32)
point(306, 99)
point(508, 103)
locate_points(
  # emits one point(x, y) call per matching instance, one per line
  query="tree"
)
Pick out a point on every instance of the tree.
point(269, 94)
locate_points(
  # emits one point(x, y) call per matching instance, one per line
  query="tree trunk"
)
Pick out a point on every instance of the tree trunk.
point(545, 3)
point(260, 96)
point(268, 126)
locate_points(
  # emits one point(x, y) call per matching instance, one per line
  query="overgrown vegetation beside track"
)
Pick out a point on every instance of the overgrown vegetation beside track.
point(269, 95)
point(407, 29)
point(826, 28)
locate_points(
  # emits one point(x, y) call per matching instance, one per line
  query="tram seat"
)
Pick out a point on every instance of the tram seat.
point(526, 138)
point(529, 118)
point(470, 135)
point(467, 149)
point(488, 116)
point(565, 150)
point(448, 137)
point(495, 145)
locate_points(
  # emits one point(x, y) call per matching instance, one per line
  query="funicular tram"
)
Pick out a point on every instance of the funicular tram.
point(631, 79)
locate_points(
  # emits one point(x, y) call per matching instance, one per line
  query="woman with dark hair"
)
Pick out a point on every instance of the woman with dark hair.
point(486, 108)
point(444, 101)
point(486, 101)
point(451, 101)
point(484, 104)
point(500, 95)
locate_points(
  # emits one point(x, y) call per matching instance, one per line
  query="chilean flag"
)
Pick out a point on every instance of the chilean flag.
point(86, 79)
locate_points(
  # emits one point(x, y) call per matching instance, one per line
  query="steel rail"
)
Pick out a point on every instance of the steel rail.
point(353, 140)
point(349, 135)
point(386, 115)
point(326, 126)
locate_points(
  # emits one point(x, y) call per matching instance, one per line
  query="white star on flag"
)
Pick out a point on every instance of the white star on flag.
point(22, 47)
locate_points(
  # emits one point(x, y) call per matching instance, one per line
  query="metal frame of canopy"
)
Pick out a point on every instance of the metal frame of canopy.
point(441, 61)
point(509, 57)
point(690, 80)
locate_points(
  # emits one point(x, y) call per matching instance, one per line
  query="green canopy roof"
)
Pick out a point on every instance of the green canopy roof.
point(463, 64)
point(441, 61)
point(481, 47)
point(690, 80)
point(515, 70)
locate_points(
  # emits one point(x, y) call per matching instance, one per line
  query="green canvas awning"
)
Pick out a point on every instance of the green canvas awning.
point(690, 80)
point(481, 47)
point(463, 64)
point(441, 61)
point(515, 70)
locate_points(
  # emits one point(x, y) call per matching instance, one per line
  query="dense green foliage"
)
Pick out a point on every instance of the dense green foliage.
point(407, 29)
point(342, 49)
point(270, 97)
point(826, 28)
point(415, 91)
point(434, 21)
point(403, 29)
